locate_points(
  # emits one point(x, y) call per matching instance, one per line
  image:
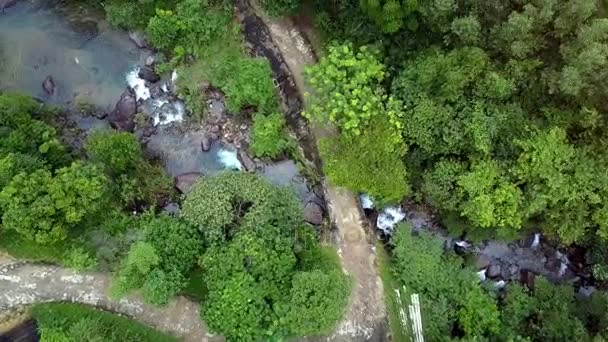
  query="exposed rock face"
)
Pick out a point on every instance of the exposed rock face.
point(184, 182)
point(146, 73)
point(139, 39)
point(123, 116)
point(247, 162)
point(313, 213)
point(49, 85)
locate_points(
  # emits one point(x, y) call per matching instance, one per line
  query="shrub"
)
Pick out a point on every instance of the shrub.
point(79, 259)
point(67, 322)
point(269, 138)
point(164, 29)
point(279, 8)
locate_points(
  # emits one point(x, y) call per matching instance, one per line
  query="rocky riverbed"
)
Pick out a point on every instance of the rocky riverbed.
point(495, 261)
point(106, 79)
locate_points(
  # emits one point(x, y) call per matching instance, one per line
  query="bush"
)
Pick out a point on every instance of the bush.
point(279, 8)
point(79, 259)
point(15, 163)
point(164, 29)
point(269, 138)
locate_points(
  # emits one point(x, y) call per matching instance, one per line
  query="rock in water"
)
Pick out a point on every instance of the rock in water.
point(49, 85)
point(247, 162)
point(313, 213)
point(150, 60)
point(206, 143)
point(123, 116)
point(184, 182)
point(493, 271)
point(482, 262)
point(139, 39)
point(146, 73)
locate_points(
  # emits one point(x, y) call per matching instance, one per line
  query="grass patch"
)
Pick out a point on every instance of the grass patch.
point(390, 285)
point(77, 322)
point(72, 252)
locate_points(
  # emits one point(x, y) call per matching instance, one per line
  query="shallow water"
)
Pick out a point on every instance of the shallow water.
point(87, 59)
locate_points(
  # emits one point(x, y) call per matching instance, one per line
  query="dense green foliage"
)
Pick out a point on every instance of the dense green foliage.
point(63, 322)
point(118, 152)
point(366, 156)
point(495, 108)
point(231, 202)
point(452, 298)
point(136, 180)
point(264, 272)
point(269, 138)
point(280, 7)
point(44, 207)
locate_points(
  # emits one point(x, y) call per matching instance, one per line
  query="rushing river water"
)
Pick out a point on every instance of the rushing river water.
point(87, 59)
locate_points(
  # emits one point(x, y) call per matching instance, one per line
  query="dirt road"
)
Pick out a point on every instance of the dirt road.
point(23, 284)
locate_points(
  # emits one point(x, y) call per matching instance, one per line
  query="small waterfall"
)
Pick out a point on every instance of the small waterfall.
point(229, 159)
point(139, 86)
point(388, 219)
point(366, 201)
point(536, 241)
point(482, 275)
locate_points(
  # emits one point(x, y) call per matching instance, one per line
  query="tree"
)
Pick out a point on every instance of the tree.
point(369, 163)
point(317, 301)
point(221, 206)
point(15, 163)
point(347, 89)
point(119, 152)
point(44, 208)
point(389, 15)
point(160, 263)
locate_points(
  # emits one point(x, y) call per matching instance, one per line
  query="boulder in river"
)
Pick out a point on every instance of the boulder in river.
point(123, 116)
point(139, 39)
point(527, 278)
point(206, 143)
point(184, 182)
point(246, 160)
point(49, 85)
point(482, 262)
point(493, 271)
point(313, 213)
point(146, 73)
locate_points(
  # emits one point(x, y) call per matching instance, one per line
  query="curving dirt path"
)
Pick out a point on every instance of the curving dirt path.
point(24, 283)
point(365, 318)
